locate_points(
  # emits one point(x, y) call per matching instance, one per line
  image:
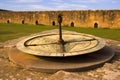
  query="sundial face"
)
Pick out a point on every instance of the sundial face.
point(47, 44)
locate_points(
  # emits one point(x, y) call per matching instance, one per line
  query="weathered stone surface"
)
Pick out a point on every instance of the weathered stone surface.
point(62, 75)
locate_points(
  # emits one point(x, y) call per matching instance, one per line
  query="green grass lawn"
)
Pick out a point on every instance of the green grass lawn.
point(12, 31)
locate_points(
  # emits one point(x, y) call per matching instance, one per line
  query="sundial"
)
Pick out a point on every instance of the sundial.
point(48, 45)
point(55, 50)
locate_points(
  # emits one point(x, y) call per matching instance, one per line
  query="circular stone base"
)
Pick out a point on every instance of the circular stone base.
point(47, 44)
point(49, 64)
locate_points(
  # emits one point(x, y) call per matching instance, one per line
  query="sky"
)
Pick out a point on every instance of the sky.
point(47, 5)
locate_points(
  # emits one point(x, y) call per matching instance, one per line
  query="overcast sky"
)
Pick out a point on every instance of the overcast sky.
point(43, 5)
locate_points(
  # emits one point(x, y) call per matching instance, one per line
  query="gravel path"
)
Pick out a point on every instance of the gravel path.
point(10, 71)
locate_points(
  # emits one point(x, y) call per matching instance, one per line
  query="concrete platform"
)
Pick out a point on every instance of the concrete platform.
point(51, 65)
